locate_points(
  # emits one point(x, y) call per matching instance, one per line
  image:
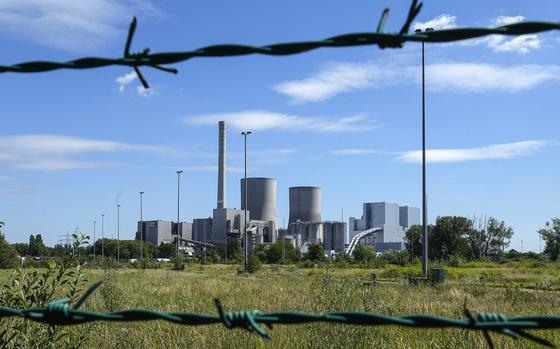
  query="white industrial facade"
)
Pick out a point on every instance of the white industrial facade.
point(392, 218)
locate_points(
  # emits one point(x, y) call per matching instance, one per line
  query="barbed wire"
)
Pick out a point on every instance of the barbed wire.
point(60, 312)
point(380, 38)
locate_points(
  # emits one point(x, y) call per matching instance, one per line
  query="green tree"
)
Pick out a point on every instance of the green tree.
point(8, 254)
point(364, 254)
point(40, 248)
point(165, 250)
point(551, 236)
point(448, 237)
point(413, 240)
point(487, 237)
point(315, 252)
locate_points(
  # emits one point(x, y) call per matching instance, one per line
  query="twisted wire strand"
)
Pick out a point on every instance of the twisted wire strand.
point(60, 313)
point(379, 38)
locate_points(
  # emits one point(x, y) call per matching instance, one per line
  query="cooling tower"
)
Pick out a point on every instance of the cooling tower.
point(305, 204)
point(222, 165)
point(261, 198)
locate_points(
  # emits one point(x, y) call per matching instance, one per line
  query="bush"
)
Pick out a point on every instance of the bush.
point(254, 264)
point(37, 288)
point(8, 254)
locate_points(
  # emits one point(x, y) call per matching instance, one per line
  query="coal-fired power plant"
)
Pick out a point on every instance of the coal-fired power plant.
point(261, 198)
point(221, 165)
point(305, 204)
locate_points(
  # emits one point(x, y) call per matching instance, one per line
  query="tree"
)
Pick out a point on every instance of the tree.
point(363, 253)
point(488, 237)
point(32, 247)
point(165, 250)
point(315, 252)
point(413, 240)
point(40, 248)
point(448, 237)
point(551, 236)
point(8, 254)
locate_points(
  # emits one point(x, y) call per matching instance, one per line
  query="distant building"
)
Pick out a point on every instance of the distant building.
point(329, 234)
point(158, 231)
point(392, 218)
point(228, 222)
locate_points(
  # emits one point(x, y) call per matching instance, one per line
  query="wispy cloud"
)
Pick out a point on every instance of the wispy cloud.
point(490, 152)
point(443, 21)
point(58, 152)
point(358, 152)
point(124, 80)
point(209, 168)
point(258, 120)
point(78, 26)
point(522, 44)
point(462, 77)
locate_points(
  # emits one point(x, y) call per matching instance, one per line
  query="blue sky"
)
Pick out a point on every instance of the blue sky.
point(73, 144)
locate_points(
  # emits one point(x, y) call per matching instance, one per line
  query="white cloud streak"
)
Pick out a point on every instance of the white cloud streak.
point(357, 152)
point(258, 120)
point(71, 25)
point(490, 152)
point(337, 78)
point(58, 152)
point(443, 21)
point(131, 77)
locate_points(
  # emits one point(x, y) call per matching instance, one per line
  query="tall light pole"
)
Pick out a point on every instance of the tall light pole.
point(141, 227)
point(245, 239)
point(102, 237)
point(178, 200)
point(94, 222)
point(118, 233)
point(424, 201)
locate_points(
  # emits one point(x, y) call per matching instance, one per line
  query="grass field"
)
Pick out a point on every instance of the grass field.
point(317, 290)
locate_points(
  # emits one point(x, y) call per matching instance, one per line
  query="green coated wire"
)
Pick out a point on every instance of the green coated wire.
point(379, 38)
point(59, 313)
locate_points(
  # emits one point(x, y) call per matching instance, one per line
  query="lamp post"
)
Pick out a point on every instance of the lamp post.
point(424, 201)
point(245, 239)
point(94, 222)
point(178, 200)
point(102, 237)
point(118, 233)
point(141, 227)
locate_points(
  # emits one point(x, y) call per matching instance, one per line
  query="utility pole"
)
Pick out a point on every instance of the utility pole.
point(118, 234)
point(245, 239)
point(94, 222)
point(102, 238)
point(178, 220)
point(424, 201)
point(141, 227)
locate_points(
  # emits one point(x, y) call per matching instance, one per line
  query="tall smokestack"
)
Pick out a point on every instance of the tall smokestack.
point(222, 165)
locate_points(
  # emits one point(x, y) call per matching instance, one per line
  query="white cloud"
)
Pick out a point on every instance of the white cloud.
point(505, 20)
point(521, 44)
point(354, 152)
point(331, 80)
point(129, 78)
point(209, 168)
point(443, 21)
point(57, 152)
point(125, 80)
point(463, 77)
point(490, 152)
point(476, 77)
point(258, 120)
point(71, 25)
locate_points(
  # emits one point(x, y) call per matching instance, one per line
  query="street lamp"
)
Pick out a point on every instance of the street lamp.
point(118, 233)
point(245, 239)
point(141, 227)
point(178, 197)
point(94, 222)
point(102, 237)
point(424, 200)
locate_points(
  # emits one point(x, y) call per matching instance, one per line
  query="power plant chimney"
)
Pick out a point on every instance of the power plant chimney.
point(222, 165)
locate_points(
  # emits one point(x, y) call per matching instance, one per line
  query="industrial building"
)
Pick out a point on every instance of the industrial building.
point(158, 231)
point(305, 226)
point(392, 218)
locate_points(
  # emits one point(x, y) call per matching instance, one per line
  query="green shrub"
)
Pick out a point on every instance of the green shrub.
point(8, 254)
point(254, 263)
point(36, 288)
